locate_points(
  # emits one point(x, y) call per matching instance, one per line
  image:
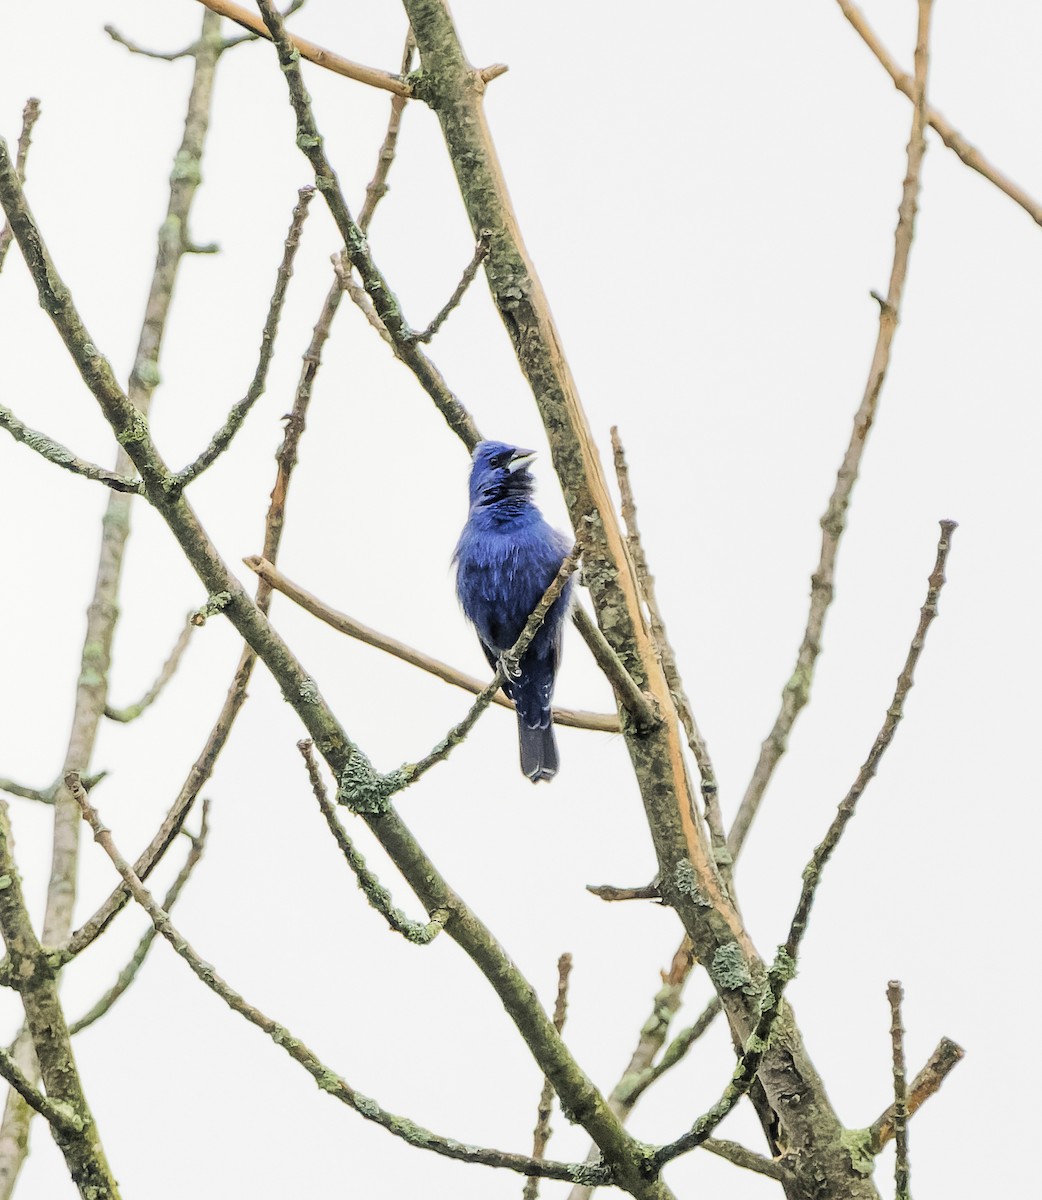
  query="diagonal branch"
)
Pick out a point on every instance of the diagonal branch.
point(784, 967)
point(796, 692)
point(30, 115)
point(926, 1084)
point(606, 722)
point(326, 1079)
point(131, 713)
point(954, 140)
point(471, 269)
point(379, 897)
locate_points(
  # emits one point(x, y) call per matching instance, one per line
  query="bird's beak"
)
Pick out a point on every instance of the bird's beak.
point(521, 459)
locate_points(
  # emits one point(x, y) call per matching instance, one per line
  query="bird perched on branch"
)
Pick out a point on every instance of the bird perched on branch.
point(506, 558)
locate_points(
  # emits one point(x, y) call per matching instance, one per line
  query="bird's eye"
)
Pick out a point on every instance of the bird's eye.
point(500, 460)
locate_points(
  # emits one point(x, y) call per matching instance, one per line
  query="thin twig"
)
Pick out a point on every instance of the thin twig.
point(418, 932)
point(604, 722)
point(133, 711)
point(673, 1053)
point(784, 965)
point(40, 795)
point(706, 771)
point(612, 893)
point(59, 1115)
point(376, 189)
point(326, 1079)
point(796, 692)
point(954, 140)
point(947, 1055)
point(894, 995)
point(741, 1156)
point(30, 115)
point(480, 254)
point(506, 668)
point(356, 245)
point(222, 438)
point(137, 960)
point(312, 52)
point(61, 456)
point(162, 56)
point(542, 1131)
point(639, 707)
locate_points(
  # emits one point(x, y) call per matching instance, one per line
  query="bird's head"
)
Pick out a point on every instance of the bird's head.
point(499, 471)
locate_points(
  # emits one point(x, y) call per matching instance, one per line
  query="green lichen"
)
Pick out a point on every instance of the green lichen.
point(329, 1081)
point(215, 603)
point(858, 1144)
point(308, 141)
point(729, 969)
point(308, 691)
point(362, 789)
point(146, 371)
point(5, 882)
point(784, 965)
point(687, 882)
point(186, 168)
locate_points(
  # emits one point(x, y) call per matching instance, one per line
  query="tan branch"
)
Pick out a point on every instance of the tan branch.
point(312, 52)
point(603, 722)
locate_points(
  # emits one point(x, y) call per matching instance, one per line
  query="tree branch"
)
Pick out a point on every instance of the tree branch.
point(326, 1079)
point(542, 1131)
point(471, 269)
point(30, 115)
point(133, 711)
point(894, 995)
point(796, 692)
point(62, 457)
point(605, 723)
point(954, 140)
point(947, 1056)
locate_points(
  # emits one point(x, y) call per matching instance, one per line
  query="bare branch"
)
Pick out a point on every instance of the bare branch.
point(796, 692)
point(30, 115)
point(313, 53)
point(62, 457)
point(417, 932)
point(541, 1134)
point(376, 189)
point(894, 995)
point(784, 965)
point(954, 140)
point(639, 707)
point(326, 1079)
point(471, 269)
point(611, 893)
point(742, 1157)
point(924, 1085)
point(605, 723)
point(133, 711)
point(222, 438)
point(40, 795)
point(59, 1115)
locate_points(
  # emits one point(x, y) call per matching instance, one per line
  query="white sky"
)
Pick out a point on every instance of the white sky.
point(709, 193)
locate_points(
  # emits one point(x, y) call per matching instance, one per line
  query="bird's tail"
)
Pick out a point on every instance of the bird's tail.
point(538, 750)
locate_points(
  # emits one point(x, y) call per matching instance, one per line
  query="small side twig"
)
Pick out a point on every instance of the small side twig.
point(30, 115)
point(480, 254)
point(674, 1052)
point(926, 1084)
point(134, 48)
point(376, 188)
point(137, 960)
point(63, 457)
point(784, 966)
point(40, 795)
point(542, 1131)
point(56, 1114)
point(222, 438)
point(611, 892)
point(166, 673)
point(894, 995)
point(603, 722)
point(417, 932)
point(408, 773)
point(326, 1079)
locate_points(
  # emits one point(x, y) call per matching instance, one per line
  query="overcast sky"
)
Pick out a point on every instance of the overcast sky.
point(709, 193)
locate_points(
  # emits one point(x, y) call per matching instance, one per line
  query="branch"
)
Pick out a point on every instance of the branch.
point(605, 723)
point(542, 1131)
point(379, 897)
point(312, 52)
point(740, 1156)
point(376, 188)
point(894, 995)
point(137, 960)
point(60, 1116)
point(133, 711)
point(40, 795)
point(506, 668)
point(61, 456)
point(222, 438)
point(356, 246)
point(326, 1079)
point(646, 581)
point(471, 269)
point(926, 1084)
point(784, 966)
point(954, 140)
point(639, 707)
point(796, 692)
point(30, 115)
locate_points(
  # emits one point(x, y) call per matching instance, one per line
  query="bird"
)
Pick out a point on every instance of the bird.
point(506, 558)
